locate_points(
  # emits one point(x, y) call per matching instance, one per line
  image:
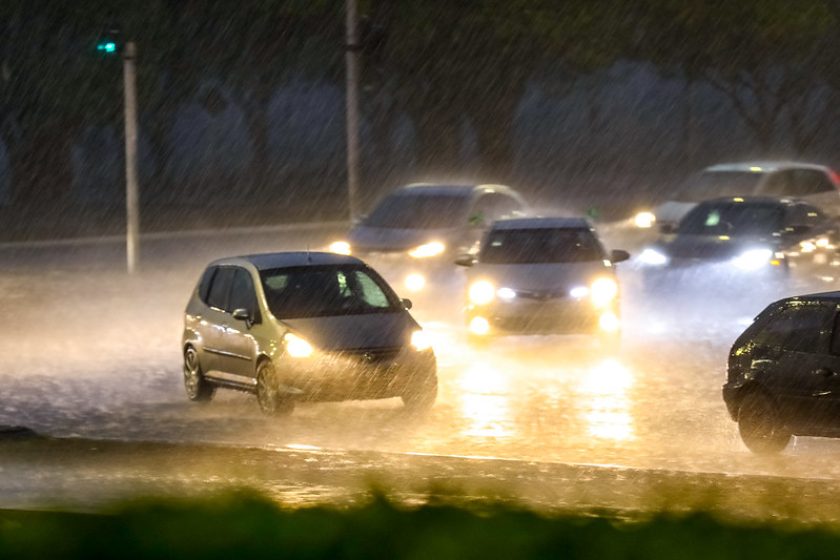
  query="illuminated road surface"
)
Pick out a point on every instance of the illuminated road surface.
point(87, 351)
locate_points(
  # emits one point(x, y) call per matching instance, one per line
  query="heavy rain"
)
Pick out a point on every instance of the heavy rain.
point(582, 205)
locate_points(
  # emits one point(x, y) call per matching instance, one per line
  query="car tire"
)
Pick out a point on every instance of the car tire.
point(271, 401)
point(420, 395)
point(759, 425)
point(197, 387)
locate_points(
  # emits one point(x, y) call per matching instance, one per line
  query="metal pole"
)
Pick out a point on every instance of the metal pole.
point(352, 62)
point(132, 189)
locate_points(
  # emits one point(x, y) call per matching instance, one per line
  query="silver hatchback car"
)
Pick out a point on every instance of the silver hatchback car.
point(304, 327)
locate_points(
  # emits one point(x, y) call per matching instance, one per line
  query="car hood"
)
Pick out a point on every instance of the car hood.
point(712, 248)
point(554, 277)
point(366, 238)
point(348, 332)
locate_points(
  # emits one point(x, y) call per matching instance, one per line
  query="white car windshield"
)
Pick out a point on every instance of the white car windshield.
point(326, 291)
point(539, 246)
point(732, 218)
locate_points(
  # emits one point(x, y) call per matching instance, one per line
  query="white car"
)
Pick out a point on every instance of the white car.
point(816, 184)
point(542, 275)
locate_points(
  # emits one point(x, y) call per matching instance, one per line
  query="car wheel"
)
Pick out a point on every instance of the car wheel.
point(271, 401)
point(759, 425)
point(197, 387)
point(420, 395)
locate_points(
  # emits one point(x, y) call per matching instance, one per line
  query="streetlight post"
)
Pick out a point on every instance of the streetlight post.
point(352, 63)
point(132, 189)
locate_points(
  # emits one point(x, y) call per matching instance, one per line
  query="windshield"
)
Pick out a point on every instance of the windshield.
point(326, 291)
point(538, 246)
point(732, 218)
point(415, 210)
point(716, 184)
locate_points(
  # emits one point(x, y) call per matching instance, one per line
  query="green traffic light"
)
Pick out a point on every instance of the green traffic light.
point(108, 47)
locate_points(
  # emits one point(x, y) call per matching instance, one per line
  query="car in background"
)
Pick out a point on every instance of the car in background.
point(542, 276)
point(413, 234)
point(783, 374)
point(734, 241)
point(817, 184)
point(293, 327)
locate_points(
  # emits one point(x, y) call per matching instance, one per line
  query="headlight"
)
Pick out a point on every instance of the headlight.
point(579, 292)
point(415, 282)
point(340, 247)
point(426, 250)
point(421, 340)
point(652, 257)
point(506, 294)
point(644, 220)
point(482, 292)
point(753, 259)
point(479, 326)
point(604, 291)
point(297, 347)
point(609, 322)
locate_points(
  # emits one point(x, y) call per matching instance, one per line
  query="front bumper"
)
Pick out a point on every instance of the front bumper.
point(557, 316)
point(409, 275)
point(353, 375)
point(698, 274)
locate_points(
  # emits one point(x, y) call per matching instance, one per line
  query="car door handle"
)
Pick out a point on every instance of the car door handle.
point(824, 372)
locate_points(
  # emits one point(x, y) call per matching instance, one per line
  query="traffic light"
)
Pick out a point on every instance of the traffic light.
point(107, 46)
point(110, 42)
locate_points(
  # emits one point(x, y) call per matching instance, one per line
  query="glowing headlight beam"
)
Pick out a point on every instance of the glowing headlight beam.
point(652, 257)
point(340, 247)
point(603, 291)
point(753, 259)
point(426, 250)
point(644, 220)
point(506, 294)
point(482, 292)
point(421, 340)
point(297, 347)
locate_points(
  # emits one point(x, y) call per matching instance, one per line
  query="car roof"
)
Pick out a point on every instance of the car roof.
point(764, 166)
point(452, 189)
point(542, 223)
point(819, 296)
point(268, 261)
point(750, 200)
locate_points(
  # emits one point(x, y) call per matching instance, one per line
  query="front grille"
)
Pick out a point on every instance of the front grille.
point(372, 355)
point(541, 295)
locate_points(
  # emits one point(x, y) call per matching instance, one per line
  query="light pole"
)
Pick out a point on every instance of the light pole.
point(352, 63)
point(132, 188)
point(110, 45)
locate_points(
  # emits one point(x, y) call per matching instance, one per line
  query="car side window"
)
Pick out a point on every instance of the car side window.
point(779, 183)
point(242, 294)
point(204, 284)
point(799, 328)
point(835, 335)
point(810, 181)
point(220, 287)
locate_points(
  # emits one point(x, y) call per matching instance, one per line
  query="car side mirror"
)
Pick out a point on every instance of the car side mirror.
point(241, 314)
point(465, 260)
point(618, 256)
point(668, 228)
point(406, 303)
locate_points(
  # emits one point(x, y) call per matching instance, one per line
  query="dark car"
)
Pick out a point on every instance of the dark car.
point(412, 235)
point(740, 240)
point(303, 327)
point(784, 373)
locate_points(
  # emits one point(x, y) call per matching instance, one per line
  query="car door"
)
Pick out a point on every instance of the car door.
point(239, 345)
point(788, 352)
point(827, 373)
point(216, 319)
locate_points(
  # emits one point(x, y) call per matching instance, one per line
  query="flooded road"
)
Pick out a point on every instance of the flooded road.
point(88, 351)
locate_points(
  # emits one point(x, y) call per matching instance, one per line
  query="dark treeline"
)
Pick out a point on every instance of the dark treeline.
point(450, 88)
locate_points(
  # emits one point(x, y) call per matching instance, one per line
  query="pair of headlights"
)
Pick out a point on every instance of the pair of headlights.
point(424, 251)
point(751, 259)
point(602, 292)
point(299, 347)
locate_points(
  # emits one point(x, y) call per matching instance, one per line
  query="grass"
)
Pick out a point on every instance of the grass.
point(246, 526)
